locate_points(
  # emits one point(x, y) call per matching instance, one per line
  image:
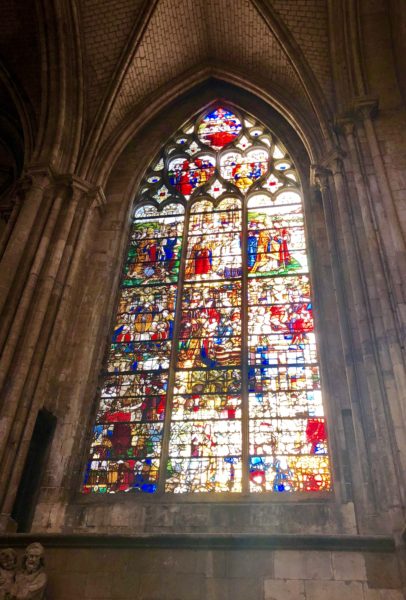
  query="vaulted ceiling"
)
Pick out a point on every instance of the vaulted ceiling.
point(178, 36)
point(131, 51)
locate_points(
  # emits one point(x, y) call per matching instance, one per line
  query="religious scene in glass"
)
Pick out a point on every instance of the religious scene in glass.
point(214, 331)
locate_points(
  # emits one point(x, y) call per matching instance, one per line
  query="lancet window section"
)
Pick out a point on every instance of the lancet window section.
point(212, 381)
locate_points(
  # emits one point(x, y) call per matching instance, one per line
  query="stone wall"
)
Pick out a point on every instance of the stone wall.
point(231, 569)
point(327, 78)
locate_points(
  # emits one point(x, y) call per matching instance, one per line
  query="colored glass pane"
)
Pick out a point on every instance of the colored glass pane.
point(127, 440)
point(219, 128)
point(186, 175)
point(214, 332)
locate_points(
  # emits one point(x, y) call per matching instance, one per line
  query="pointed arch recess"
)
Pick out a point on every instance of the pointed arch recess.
point(212, 380)
point(308, 110)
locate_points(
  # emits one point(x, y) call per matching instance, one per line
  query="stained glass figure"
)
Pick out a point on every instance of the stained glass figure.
point(219, 128)
point(243, 170)
point(214, 332)
point(127, 439)
point(186, 175)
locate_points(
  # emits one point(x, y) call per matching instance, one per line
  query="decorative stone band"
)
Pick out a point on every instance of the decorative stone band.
point(354, 543)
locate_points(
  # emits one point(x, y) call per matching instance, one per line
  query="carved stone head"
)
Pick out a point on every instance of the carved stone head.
point(8, 559)
point(33, 559)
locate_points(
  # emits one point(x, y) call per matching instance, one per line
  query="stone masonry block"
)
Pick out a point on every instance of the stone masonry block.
point(82, 560)
point(283, 590)
point(233, 589)
point(382, 594)
point(382, 571)
point(98, 585)
point(125, 586)
point(183, 561)
point(216, 589)
point(249, 563)
point(296, 564)
point(119, 516)
point(333, 590)
point(349, 566)
point(169, 586)
point(215, 565)
point(65, 586)
point(244, 589)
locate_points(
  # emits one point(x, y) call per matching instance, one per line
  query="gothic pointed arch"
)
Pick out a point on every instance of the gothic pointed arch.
point(211, 382)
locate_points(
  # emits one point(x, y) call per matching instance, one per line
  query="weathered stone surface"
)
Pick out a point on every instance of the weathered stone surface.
point(349, 566)
point(115, 80)
point(291, 564)
point(284, 590)
point(382, 570)
point(249, 563)
point(125, 585)
point(168, 586)
point(333, 590)
point(168, 573)
point(370, 594)
point(98, 585)
point(65, 586)
point(233, 589)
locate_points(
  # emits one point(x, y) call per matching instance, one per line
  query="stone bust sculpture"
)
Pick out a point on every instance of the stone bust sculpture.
point(8, 565)
point(30, 582)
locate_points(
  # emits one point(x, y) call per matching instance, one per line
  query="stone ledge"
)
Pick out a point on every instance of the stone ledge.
point(365, 543)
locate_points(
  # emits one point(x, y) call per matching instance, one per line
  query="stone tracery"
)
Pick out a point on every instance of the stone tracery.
point(183, 381)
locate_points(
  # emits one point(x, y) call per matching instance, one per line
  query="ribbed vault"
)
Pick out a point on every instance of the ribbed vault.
point(128, 52)
point(178, 36)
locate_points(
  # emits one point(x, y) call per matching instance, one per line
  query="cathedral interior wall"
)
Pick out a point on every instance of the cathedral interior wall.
point(65, 235)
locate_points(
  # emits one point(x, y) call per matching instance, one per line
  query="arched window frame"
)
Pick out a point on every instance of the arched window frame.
point(144, 198)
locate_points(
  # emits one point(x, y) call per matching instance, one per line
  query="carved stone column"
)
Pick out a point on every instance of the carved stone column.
point(388, 221)
point(21, 242)
point(381, 273)
point(41, 302)
point(331, 187)
point(17, 196)
point(386, 340)
point(371, 373)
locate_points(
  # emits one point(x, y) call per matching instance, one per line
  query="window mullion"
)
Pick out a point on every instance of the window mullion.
point(244, 354)
point(174, 357)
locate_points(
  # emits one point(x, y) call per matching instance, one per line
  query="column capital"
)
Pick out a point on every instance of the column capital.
point(345, 123)
point(38, 176)
point(321, 175)
point(333, 161)
point(14, 197)
point(89, 193)
point(365, 106)
point(360, 108)
point(96, 197)
point(69, 185)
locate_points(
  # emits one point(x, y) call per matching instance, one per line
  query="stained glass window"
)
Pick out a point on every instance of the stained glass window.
point(212, 380)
